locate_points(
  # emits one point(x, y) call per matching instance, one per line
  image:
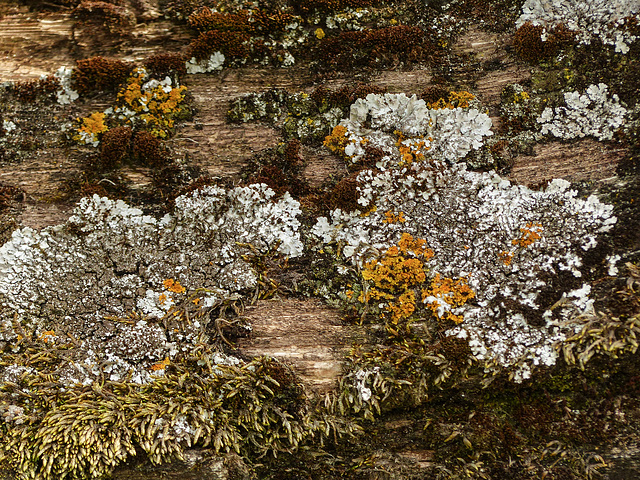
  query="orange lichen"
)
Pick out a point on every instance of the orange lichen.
point(160, 365)
point(413, 151)
point(44, 336)
point(529, 234)
point(156, 107)
point(505, 257)
point(173, 286)
point(338, 140)
point(395, 275)
point(93, 124)
point(391, 217)
point(459, 99)
point(91, 128)
point(453, 293)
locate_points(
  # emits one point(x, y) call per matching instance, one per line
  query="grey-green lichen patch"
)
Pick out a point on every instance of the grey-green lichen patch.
point(296, 113)
point(50, 430)
point(502, 244)
point(111, 278)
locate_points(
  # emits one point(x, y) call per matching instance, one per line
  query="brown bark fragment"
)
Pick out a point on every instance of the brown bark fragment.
point(303, 333)
point(584, 160)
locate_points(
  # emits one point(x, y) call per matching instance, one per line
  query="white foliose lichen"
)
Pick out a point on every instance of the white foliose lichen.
point(66, 94)
point(8, 126)
point(211, 64)
point(110, 260)
point(507, 241)
point(589, 18)
point(449, 133)
point(592, 113)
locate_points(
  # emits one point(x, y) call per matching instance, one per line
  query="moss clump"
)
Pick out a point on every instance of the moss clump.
point(97, 74)
point(31, 90)
point(280, 169)
point(530, 46)
point(166, 65)
point(326, 6)
point(147, 149)
point(115, 147)
point(376, 47)
point(78, 432)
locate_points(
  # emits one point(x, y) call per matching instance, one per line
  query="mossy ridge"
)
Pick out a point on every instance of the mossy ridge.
point(256, 409)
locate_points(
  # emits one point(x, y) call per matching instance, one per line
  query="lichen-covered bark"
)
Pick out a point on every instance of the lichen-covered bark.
point(143, 334)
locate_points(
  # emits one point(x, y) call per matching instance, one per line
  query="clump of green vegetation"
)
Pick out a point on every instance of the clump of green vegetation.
point(256, 409)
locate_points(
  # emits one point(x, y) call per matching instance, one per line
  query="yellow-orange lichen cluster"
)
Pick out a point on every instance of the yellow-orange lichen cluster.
point(453, 293)
point(396, 274)
point(391, 217)
point(459, 99)
point(338, 140)
point(91, 128)
point(398, 280)
point(156, 106)
point(412, 152)
point(528, 235)
point(173, 286)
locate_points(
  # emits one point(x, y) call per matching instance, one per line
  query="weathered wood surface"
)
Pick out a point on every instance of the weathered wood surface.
point(303, 333)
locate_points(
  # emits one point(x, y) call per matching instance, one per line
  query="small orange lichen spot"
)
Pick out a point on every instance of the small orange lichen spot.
point(529, 234)
point(418, 246)
point(459, 99)
point(391, 217)
point(505, 257)
point(320, 33)
point(349, 294)
point(162, 298)
point(44, 335)
point(394, 276)
point(373, 209)
point(160, 365)
point(93, 124)
point(196, 301)
point(338, 140)
point(454, 293)
point(173, 286)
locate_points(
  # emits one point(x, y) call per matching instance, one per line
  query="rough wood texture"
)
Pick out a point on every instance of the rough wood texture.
point(305, 334)
point(584, 160)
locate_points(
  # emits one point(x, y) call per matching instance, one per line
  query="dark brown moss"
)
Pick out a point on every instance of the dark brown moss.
point(383, 46)
point(292, 158)
point(325, 6)
point(259, 22)
point(29, 91)
point(343, 97)
point(528, 43)
point(231, 44)
point(97, 74)
point(205, 20)
point(434, 93)
point(166, 65)
point(344, 195)
point(273, 177)
point(115, 147)
point(147, 149)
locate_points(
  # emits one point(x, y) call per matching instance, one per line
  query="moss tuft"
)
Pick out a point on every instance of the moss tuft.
point(100, 74)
